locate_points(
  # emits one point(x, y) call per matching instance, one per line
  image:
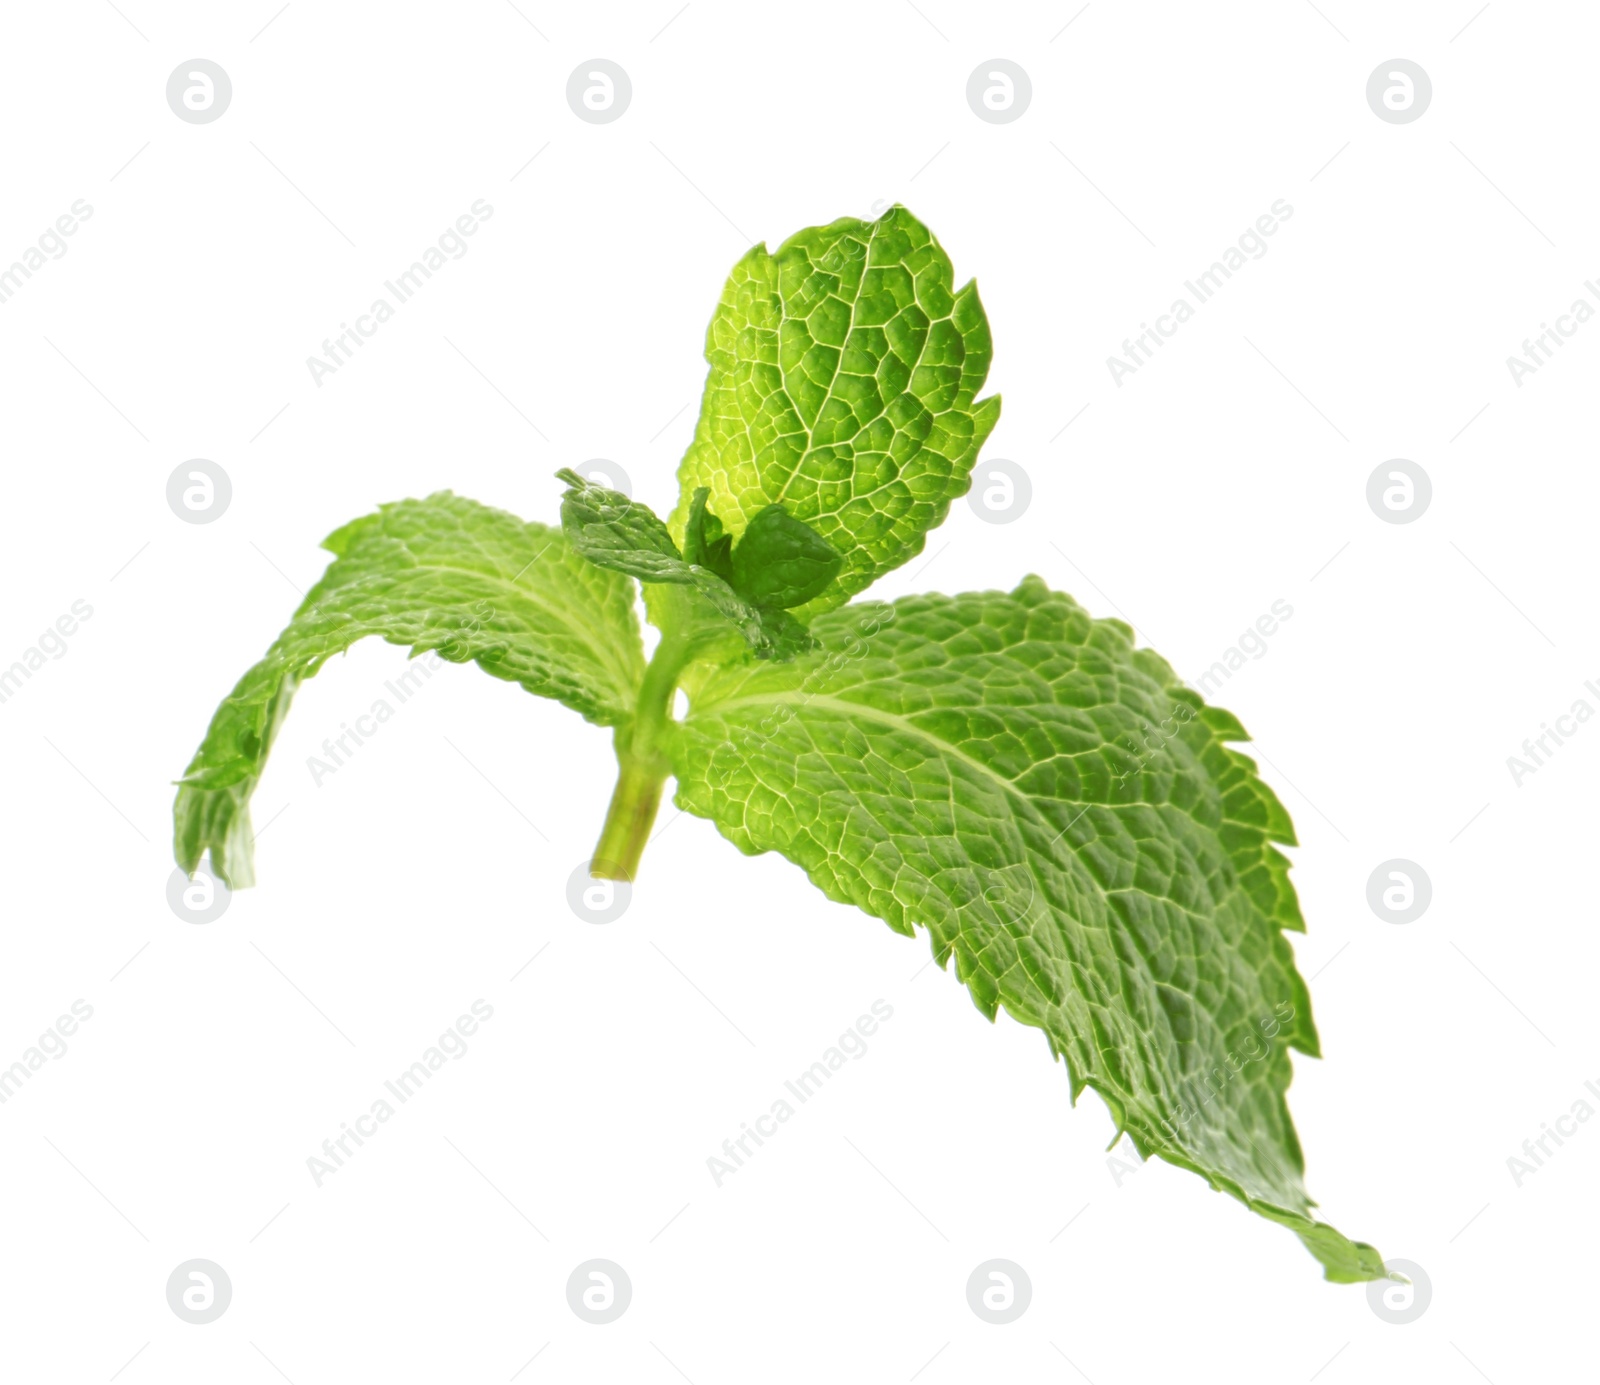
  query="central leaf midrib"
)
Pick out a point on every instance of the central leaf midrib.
point(838, 365)
point(856, 710)
point(848, 709)
point(603, 652)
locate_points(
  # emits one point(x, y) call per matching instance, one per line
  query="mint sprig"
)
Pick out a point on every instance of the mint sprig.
point(1070, 824)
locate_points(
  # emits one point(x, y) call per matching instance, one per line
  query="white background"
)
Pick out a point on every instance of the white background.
point(427, 872)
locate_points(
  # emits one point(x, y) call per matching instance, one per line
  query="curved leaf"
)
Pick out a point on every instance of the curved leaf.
point(443, 574)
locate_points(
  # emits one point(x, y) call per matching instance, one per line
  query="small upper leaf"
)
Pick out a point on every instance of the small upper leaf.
point(443, 574)
point(704, 539)
point(612, 531)
point(844, 376)
point(782, 561)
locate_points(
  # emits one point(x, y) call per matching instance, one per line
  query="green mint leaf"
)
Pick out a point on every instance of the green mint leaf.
point(704, 540)
point(782, 561)
point(614, 532)
point(1069, 823)
point(442, 574)
point(844, 376)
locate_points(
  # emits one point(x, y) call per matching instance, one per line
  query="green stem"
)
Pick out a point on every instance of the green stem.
point(628, 820)
point(642, 763)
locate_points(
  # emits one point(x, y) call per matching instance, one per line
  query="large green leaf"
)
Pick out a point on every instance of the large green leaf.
point(443, 574)
point(1069, 823)
point(844, 377)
